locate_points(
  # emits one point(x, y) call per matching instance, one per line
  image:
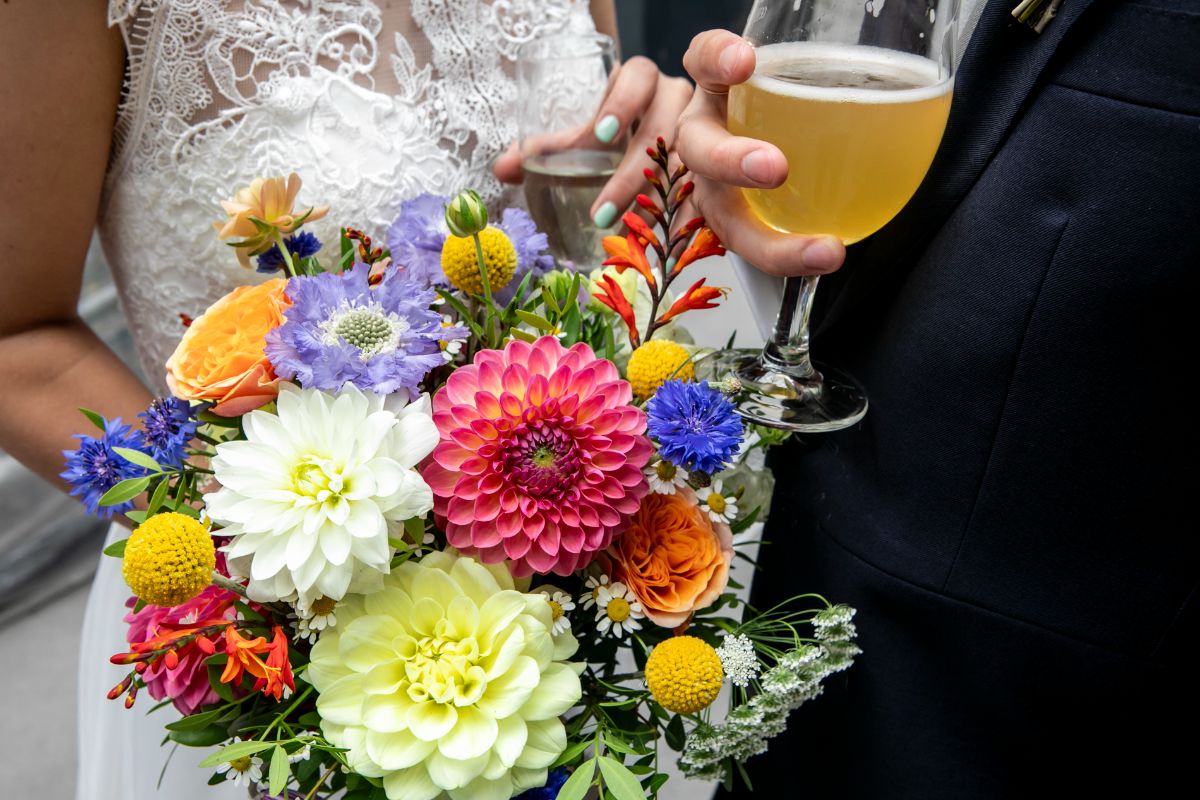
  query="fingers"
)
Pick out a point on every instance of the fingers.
point(632, 92)
point(718, 59)
point(507, 167)
point(776, 253)
point(670, 98)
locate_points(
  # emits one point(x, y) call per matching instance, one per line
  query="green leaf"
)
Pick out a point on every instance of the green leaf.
point(139, 605)
point(524, 336)
point(578, 784)
point(116, 549)
point(571, 753)
point(124, 491)
point(277, 777)
point(676, 735)
point(210, 418)
point(463, 314)
point(195, 721)
point(204, 737)
point(95, 418)
point(616, 744)
point(137, 516)
point(158, 497)
point(657, 782)
point(415, 528)
point(235, 750)
point(139, 458)
point(623, 784)
point(745, 522)
point(533, 320)
point(549, 302)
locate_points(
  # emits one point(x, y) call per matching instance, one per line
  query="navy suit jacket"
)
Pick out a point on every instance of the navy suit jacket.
point(1013, 518)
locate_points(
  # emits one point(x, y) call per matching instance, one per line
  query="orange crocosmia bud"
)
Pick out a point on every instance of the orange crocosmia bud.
point(697, 297)
point(704, 245)
point(644, 233)
point(630, 255)
point(610, 294)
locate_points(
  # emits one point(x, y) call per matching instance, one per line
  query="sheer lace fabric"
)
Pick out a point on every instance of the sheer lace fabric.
point(371, 102)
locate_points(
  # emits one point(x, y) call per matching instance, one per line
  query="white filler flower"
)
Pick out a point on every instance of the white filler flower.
point(312, 494)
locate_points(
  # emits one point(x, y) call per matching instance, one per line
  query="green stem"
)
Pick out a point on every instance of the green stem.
point(297, 701)
point(487, 291)
point(324, 776)
point(225, 583)
point(287, 256)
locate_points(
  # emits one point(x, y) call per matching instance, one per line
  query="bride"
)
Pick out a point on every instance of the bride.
point(138, 123)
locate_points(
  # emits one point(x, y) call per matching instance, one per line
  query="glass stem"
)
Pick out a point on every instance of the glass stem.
point(787, 351)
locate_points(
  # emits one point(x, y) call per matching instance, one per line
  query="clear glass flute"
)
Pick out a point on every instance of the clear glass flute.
point(856, 96)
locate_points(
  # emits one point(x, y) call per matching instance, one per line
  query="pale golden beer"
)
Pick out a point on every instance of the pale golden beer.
point(859, 127)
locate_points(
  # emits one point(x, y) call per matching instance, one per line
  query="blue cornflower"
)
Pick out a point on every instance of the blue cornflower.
point(554, 782)
point(300, 245)
point(95, 467)
point(383, 339)
point(167, 427)
point(415, 240)
point(696, 426)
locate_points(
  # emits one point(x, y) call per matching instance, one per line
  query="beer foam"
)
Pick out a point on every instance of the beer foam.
point(903, 66)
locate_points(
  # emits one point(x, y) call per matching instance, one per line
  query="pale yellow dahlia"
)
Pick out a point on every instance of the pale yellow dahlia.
point(447, 680)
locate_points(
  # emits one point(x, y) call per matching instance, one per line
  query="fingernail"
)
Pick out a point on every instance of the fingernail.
point(729, 56)
point(606, 129)
point(822, 255)
point(756, 165)
point(605, 215)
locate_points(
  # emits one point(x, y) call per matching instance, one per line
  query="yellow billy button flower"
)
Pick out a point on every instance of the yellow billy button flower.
point(656, 362)
point(169, 559)
point(684, 674)
point(461, 264)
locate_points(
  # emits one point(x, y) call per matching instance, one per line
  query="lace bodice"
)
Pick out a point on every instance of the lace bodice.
point(371, 102)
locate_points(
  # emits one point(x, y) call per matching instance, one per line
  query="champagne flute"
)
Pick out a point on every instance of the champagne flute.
point(561, 83)
point(856, 96)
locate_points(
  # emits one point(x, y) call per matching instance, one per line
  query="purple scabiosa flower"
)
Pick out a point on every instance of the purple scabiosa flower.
point(696, 427)
point(300, 245)
point(167, 427)
point(554, 782)
point(95, 467)
point(415, 240)
point(339, 329)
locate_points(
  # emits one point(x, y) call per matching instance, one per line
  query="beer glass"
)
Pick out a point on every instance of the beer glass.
point(856, 96)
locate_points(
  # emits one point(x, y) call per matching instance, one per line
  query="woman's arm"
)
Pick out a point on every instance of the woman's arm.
point(60, 81)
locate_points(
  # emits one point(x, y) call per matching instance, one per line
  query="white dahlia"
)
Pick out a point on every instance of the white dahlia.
point(446, 680)
point(312, 494)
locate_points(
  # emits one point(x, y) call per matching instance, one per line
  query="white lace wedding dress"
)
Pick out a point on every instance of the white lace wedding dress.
point(372, 103)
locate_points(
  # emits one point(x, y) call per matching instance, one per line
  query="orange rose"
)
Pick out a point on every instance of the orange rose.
point(672, 556)
point(221, 357)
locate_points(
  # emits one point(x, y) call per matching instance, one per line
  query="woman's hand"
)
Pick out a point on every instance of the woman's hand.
point(642, 102)
point(722, 162)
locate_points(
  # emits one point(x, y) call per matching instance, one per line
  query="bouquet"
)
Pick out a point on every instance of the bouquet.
point(432, 518)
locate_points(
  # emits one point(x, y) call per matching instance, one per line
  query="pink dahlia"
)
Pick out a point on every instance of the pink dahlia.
point(540, 459)
point(186, 685)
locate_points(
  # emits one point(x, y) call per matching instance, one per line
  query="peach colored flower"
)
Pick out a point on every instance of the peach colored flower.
point(269, 201)
point(221, 357)
point(672, 556)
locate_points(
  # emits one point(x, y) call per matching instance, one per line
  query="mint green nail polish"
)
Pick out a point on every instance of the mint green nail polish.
point(605, 215)
point(606, 128)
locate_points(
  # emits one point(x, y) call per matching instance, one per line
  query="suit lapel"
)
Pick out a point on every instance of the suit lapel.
point(1000, 68)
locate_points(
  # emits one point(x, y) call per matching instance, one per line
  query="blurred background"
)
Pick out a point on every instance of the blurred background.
point(49, 547)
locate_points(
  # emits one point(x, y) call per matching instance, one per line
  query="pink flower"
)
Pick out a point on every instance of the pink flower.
point(540, 459)
point(187, 684)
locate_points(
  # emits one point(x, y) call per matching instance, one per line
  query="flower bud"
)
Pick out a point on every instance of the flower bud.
point(466, 215)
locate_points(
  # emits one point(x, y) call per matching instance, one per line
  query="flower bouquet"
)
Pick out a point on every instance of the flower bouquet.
point(434, 519)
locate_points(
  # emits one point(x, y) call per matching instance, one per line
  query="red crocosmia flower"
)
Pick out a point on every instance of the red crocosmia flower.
point(610, 294)
point(245, 657)
point(697, 297)
point(704, 245)
point(645, 235)
point(628, 253)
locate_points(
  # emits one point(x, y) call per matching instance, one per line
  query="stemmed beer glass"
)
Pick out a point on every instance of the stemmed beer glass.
point(856, 95)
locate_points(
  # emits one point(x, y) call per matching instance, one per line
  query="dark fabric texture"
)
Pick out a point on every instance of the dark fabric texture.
point(1013, 517)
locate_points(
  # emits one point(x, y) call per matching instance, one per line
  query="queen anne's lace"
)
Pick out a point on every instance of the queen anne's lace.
point(372, 106)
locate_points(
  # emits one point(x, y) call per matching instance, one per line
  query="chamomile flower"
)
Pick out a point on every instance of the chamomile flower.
point(664, 477)
point(245, 771)
point(560, 603)
point(593, 585)
point(617, 610)
point(314, 618)
point(450, 347)
point(302, 754)
point(721, 507)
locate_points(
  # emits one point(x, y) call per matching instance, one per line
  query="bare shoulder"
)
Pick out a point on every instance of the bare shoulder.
point(60, 81)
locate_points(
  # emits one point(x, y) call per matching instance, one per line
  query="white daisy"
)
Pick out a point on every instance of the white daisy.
point(617, 610)
point(302, 754)
point(593, 585)
point(313, 494)
point(664, 477)
point(314, 618)
point(245, 771)
point(450, 348)
point(720, 507)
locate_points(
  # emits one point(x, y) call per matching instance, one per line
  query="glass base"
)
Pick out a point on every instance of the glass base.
point(830, 400)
